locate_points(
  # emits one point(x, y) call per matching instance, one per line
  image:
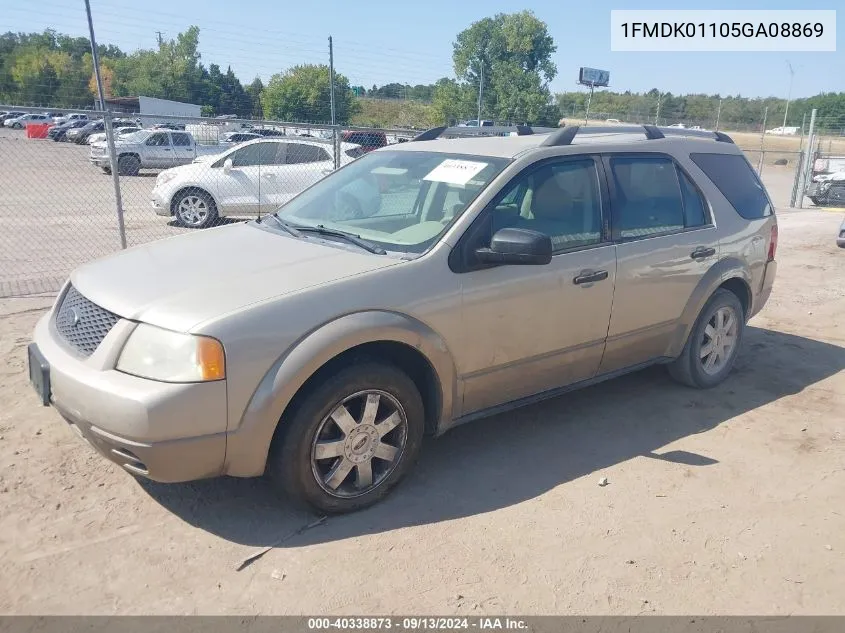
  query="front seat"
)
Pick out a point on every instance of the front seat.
point(552, 209)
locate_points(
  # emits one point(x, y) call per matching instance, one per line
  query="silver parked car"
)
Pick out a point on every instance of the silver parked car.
point(421, 286)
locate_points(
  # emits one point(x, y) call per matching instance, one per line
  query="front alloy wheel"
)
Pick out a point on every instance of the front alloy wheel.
point(359, 444)
point(350, 438)
point(195, 209)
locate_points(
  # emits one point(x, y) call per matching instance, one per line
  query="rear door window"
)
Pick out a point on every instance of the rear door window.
point(181, 140)
point(298, 153)
point(737, 181)
point(648, 197)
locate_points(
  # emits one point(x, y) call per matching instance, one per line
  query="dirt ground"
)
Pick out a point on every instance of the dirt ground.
point(720, 502)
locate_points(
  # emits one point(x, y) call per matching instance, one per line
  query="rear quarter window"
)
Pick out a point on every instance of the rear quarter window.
point(738, 182)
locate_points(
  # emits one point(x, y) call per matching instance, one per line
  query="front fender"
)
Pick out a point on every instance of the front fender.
point(248, 443)
point(719, 273)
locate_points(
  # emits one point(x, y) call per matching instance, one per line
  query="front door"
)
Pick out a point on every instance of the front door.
point(529, 329)
point(159, 153)
point(666, 242)
point(238, 188)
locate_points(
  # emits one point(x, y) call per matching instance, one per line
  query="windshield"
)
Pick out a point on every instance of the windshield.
point(402, 201)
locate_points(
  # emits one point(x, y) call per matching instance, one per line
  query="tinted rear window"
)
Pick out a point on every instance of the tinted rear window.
point(738, 183)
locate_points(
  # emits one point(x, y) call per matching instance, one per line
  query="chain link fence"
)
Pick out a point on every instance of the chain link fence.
point(68, 199)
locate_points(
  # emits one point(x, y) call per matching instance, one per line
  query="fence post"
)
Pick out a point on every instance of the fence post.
point(808, 163)
point(115, 176)
point(799, 166)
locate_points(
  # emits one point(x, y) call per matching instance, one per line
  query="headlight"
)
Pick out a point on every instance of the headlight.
point(165, 176)
point(158, 354)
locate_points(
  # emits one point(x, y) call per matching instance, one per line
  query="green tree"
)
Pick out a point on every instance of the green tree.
point(254, 91)
point(302, 94)
point(510, 57)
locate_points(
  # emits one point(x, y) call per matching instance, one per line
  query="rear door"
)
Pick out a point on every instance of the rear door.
point(297, 166)
point(183, 148)
point(666, 242)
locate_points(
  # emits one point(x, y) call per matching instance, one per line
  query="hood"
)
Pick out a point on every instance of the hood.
point(182, 281)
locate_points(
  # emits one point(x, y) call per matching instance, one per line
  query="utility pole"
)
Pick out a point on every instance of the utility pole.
point(718, 114)
point(789, 94)
point(480, 90)
point(657, 116)
point(335, 135)
point(159, 38)
point(101, 97)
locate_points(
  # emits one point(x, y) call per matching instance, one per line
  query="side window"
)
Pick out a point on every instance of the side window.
point(158, 140)
point(695, 210)
point(734, 177)
point(181, 140)
point(271, 153)
point(648, 196)
point(561, 200)
point(246, 156)
point(298, 153)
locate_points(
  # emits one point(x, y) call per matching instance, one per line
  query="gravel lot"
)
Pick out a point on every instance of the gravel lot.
point(720, 502)
point(57, 211)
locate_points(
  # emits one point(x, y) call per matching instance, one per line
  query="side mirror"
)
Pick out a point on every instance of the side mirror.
point(227, 165)
point(517, 246)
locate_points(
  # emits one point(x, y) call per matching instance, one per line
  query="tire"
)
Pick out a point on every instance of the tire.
point(128, 165)
point(194, 209)
point(836, 196)
point(292, 470)
point(690, 368)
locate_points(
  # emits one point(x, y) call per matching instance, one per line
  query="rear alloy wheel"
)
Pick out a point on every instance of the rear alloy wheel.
point(351, 440)
point(195, 209)
point(713, 344)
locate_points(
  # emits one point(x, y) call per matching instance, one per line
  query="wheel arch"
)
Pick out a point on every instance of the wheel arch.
point(728, 273)
point(392, 337)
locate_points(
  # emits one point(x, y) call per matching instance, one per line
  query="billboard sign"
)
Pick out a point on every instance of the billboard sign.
point(593, 77)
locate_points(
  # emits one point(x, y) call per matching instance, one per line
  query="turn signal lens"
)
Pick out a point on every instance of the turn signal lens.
point(210, 359)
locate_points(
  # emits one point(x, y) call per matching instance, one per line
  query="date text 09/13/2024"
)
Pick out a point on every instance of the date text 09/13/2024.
point(415, 623)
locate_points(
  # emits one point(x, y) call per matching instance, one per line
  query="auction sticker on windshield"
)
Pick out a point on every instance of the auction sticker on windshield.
point(455, 171)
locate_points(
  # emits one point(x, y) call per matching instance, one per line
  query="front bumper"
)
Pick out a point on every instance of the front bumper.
point(160, 203)
point(165, 432)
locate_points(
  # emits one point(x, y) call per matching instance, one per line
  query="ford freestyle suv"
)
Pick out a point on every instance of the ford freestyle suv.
point(418, 287)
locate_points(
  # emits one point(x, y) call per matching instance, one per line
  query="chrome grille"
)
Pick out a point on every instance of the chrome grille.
point(82, 323)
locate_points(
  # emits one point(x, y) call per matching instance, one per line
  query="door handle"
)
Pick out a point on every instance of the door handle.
point(590, 277)
point(166, 149)
point(269, 176)
point(703, 252)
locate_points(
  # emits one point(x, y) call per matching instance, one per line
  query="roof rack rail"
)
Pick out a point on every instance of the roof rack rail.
point(463, 132)
point(565, 136)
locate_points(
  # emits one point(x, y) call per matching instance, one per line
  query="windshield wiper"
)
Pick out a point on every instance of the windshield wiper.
point(321, 229)
point(286, 226)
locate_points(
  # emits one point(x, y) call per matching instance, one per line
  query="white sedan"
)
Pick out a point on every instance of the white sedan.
point(251, 179)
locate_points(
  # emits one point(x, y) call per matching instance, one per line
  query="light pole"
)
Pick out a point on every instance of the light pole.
point(789, 94)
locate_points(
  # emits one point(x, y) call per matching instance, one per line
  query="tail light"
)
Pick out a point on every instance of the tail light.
point(773, 243)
